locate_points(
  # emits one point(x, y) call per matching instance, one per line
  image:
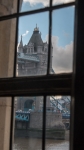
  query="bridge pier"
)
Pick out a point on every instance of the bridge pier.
point(21, 125)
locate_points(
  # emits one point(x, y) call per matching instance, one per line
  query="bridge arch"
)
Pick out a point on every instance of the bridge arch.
point(28, 104)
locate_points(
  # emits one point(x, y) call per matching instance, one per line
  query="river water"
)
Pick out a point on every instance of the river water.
point(36, 144)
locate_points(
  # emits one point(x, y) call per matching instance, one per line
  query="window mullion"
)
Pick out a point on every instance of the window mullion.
point(49, 40)
point(12, 124)
point(36, 85)
point(44, 123)
point(78, 78)
point(16, 40)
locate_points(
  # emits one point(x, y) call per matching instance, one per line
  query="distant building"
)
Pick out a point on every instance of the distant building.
point(32, 58)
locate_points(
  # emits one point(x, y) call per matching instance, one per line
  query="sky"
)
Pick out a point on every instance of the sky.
point(62, 31)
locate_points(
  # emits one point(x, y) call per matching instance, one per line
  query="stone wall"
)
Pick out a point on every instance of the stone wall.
point(52, 120)
point(35, 120)
point(33, 129)
point(8, 7)
point(33, 133)
point(7, 38)
point(5, 118)
point(7, 47)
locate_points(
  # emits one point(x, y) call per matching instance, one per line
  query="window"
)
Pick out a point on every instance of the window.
point(45, 84)
point(28, 50)
point(31, 50)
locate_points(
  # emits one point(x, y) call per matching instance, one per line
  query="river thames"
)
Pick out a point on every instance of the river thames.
point(36, 144)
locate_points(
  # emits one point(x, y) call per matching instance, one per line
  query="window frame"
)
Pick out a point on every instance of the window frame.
point(61, 84)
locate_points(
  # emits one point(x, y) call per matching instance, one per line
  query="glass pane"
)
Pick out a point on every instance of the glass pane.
point(57, 2)
point(28, 5)
point(8, 7)
point(62, 40)
point(57, 122)
point(28, 123)
point(7, 47)
point(32, 48)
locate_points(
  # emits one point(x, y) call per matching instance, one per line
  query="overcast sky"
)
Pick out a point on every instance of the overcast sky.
point(62, 31)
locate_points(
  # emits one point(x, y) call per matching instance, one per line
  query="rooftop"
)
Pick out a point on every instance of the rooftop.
point(36, 37)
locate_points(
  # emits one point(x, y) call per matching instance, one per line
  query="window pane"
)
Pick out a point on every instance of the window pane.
point(7, 46)
point(62, 40)
point(57, 2)
point(28, 123)
point(32, 48)
point(28, 5)
point(8, 7)
point(57, 122)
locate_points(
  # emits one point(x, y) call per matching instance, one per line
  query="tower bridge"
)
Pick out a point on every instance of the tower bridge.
point(27, 106)
point(32, 57)
point(32, 61)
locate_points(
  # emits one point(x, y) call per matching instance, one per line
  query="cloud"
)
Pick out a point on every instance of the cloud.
point(62, 1)
point(62, 56)
point(34, 2)
point(46, 2)
point(25, 33)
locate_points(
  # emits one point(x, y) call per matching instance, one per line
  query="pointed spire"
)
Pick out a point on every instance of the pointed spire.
point(21, 38)
point(21, 43)
point(36, 29)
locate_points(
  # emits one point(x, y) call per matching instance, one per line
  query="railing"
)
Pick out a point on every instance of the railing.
point(22, 116)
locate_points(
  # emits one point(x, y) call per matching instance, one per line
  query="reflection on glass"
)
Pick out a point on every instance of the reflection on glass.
point(57, 122)
point(7, 47)
point(28, 123)
point(62, 40)
point(28, 5)
point(8, 7)
point(32, 51)
point(57, 2)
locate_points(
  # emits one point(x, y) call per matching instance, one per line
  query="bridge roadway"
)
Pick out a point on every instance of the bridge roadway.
point(24, 116)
